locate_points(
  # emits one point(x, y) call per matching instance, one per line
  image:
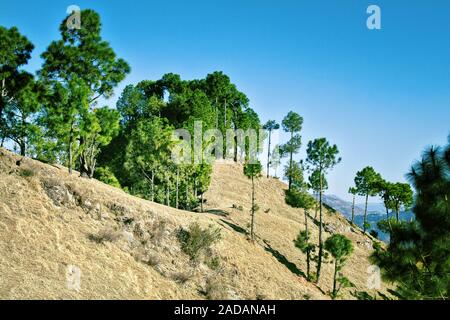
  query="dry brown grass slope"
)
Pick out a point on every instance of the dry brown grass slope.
point(49, 220)
point(278, 224)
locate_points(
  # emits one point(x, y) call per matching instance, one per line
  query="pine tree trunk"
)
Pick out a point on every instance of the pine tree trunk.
point(319, 262)
point(268, 155)
point(353, 209)
point(168, 195)
point(316, 206)
point(365, 213)
point(153, 186)
point(308, 258)
point(290, 166)
point(22, 148)
point(176, 197)
point(253, 210)
point(334, 278)
point(70, 149)
point(201, 202)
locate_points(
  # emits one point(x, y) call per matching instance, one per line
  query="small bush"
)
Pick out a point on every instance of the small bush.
point(105, 175)
point(213, 262)
point(237, 207)
point(27, 173)
point(105, 235)
point(182, 277)
point(196, 240)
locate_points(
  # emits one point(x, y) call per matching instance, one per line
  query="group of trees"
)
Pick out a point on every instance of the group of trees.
point(321, 158)
point(417, 258)
point(368, 183)
point(53, 116)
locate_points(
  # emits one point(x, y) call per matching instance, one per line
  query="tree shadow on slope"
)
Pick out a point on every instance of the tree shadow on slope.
point(218, 212)
point(235, 227)
point(283, 260)
point(278, 255)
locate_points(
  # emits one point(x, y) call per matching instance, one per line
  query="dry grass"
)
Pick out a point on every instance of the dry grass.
point(46, 220)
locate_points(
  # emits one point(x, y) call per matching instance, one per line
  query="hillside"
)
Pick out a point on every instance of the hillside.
point(126, 247)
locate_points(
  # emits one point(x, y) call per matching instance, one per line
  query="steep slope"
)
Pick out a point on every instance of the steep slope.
point(51, 224)
point(278, 224)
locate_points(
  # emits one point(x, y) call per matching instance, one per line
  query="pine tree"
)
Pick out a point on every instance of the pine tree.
point(253, 171)
point(340, 247)
point(270, 126)
point(366, 182)
point(417, 258)
point(292, 124)
point(321, 157)
point(353, 191)
point(83, 63)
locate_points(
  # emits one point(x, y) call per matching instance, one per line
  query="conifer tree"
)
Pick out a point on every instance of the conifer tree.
point(366, 182)
point(321, 157)
point(253, 171)
point(292, 124)
point(340, 247)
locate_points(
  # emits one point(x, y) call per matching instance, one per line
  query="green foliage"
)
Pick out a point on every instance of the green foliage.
point(340, 247)
point(104, 174)
point(417, 258)
point(367, 183)
point(270, 126)
point(315, 181)
point(213, 262)
point(27, 173)
point(321, 157)
point(299, 199)
point(19, 91)
point(292, 123)
point(253, 171)
point(77, 70)
point(196, 240)
point(294, 173)
point(302, 242)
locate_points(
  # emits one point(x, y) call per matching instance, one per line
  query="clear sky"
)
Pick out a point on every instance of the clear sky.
point(380, 95)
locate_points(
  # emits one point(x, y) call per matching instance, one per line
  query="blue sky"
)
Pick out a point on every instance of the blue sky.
point(380, 95)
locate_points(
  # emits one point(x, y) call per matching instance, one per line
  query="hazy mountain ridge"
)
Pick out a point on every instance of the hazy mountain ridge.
point(375, 213)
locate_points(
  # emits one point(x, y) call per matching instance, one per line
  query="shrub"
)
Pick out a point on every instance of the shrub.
point(182, 277)
point(240, 208)
point(105, 175)
point(196, 240)
point(213, 262)
point(374, 233)
point(27, 173)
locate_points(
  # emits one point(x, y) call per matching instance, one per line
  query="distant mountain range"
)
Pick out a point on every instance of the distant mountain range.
point(375, 213)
